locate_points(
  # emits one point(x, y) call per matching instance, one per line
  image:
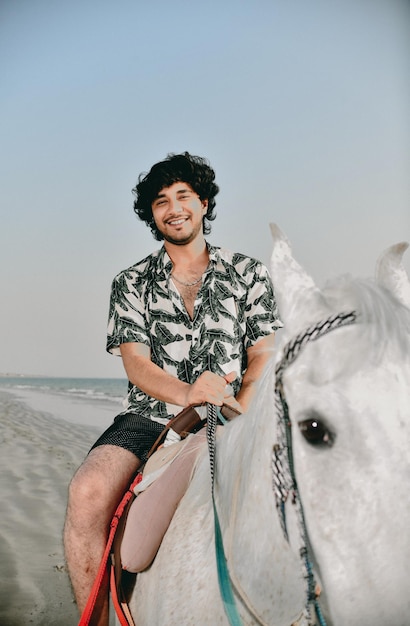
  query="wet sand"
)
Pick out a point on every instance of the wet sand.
point(39, 454)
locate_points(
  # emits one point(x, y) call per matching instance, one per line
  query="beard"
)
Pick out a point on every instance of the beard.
point(180, 241)
point(181, 238)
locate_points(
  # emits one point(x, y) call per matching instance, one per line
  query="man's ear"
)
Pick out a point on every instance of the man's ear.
point(204, 205)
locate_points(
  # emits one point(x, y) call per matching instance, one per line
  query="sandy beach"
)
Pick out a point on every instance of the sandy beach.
point(39, 454)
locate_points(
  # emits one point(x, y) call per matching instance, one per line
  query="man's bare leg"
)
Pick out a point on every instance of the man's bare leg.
point(94, 494)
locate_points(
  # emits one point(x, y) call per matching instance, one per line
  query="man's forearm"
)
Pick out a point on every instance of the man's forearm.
point(258, 356)
point(245, 395)
point(154, 381)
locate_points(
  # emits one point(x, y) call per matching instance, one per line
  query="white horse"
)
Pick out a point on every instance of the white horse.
point(348, 395)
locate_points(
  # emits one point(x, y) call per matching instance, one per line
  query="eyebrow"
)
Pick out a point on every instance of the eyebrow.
point(183, 190)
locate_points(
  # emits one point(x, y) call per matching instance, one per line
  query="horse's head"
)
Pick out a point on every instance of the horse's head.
point(301, 302)
point(348, 397)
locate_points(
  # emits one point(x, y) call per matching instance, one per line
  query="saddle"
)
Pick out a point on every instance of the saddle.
point(122, 582)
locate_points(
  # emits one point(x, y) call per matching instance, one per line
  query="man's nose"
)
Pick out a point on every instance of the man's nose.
point(176, 206)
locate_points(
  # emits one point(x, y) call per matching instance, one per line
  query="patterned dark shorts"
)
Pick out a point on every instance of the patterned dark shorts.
point(132, 432)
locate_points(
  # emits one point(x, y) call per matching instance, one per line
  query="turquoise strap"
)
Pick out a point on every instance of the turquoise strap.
point(221, 418)
point(224, 580)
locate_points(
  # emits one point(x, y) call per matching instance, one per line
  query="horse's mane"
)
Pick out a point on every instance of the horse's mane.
point(237, 444)
point(383, 318)
point(382, 328)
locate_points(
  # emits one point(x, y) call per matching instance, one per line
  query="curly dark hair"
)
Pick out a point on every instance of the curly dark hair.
point(186, 168)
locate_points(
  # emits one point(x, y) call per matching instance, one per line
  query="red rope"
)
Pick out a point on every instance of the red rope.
point(102, 570)
point(122, 610)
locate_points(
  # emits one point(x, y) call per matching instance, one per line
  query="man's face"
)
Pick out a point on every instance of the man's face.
point(178, 213)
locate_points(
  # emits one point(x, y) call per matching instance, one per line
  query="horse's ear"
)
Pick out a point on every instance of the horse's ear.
point(299, 300)
point(391, 274)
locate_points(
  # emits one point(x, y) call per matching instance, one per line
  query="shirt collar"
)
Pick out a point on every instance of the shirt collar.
point(214, 255)
point(164, 263)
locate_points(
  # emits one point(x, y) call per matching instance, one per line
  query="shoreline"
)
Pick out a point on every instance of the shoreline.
point(41, 451)
point(80, 411)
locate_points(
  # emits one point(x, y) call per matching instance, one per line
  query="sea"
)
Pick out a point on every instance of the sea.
point(110, 389)
point(87, 401)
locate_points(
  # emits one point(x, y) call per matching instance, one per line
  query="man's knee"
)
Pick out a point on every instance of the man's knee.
point(100, 481)
point(87, 497)
point(85, 487)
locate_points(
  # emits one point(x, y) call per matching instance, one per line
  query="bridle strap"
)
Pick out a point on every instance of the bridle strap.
point(285, 482)
point(283, 469)
point(293, 348)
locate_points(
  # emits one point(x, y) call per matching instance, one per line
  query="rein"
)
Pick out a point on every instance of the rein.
point(225, 586)
point(284, 477)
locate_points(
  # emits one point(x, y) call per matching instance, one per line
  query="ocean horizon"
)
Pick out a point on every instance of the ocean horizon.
point(84, 401)
point(110, 389)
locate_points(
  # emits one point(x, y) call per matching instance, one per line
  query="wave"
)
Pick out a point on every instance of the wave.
point(111, 389)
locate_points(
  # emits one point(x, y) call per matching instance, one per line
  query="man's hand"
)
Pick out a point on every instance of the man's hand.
point(210, 387)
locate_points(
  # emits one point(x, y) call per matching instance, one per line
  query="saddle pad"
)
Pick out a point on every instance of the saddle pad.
point(151, 512)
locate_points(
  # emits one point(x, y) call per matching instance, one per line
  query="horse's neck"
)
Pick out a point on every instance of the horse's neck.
point(266, 574)
point(243, 457)
point(246, 481)
point(246, 506)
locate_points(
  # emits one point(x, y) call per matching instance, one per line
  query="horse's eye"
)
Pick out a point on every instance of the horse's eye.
point(316, 432)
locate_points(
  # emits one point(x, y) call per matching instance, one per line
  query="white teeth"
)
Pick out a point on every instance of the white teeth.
point(176, 222)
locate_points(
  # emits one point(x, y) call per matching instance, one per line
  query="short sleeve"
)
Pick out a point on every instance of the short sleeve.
point(262, 315)
point(126, 320)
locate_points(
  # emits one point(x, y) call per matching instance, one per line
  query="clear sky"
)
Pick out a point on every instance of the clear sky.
point(301, 106)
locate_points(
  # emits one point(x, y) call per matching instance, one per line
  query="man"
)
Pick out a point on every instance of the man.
point(193, 324)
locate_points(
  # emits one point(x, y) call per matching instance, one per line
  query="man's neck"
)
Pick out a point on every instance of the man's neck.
point(192, 254)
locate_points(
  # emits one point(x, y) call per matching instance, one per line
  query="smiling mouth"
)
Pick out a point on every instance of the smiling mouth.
point(177, 222)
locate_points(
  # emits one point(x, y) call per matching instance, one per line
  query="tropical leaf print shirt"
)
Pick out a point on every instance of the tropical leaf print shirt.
point(234, 307)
